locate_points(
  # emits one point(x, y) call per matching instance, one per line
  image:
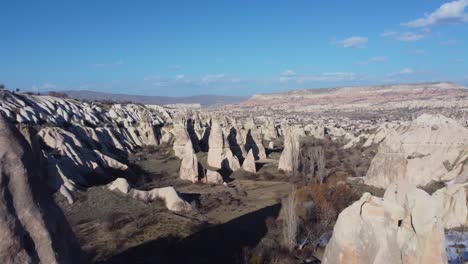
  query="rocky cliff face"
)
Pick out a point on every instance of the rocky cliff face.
point(83, 144)
point(32, 227)
point(431, 148)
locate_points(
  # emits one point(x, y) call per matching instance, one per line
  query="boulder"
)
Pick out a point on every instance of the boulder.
point(169, 195)
point(213, 177)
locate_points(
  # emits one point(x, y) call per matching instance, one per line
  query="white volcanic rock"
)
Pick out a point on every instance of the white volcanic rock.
point(269, 130)
point(317, 131)
point(216, 145)
point(431, 148)
point(213, 177)
point(452, 202)
point(167, 194)
point(181, 137)
point(189, 165)
point(289, 158)
point(403, 227)
point(253, 139)
point(28, 210)
point(249, 163)
point(230, 161)
point(119, 184)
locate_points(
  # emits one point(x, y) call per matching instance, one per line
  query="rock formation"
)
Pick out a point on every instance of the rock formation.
point(181, 136)
point(189, 165)
point(216, 145)
point(453, 205)
point(213, 177)
point(249, 163)
point(269, 130)
point(403, 227)
point(431, 148)
point(289, 159)
point(253, 139)
point(312, 163)
point(32, 227)
point(167, 194)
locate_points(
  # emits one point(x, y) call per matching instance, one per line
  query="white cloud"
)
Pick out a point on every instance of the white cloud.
point(404, 36)
point(406, 71)
point(409, 36)
point(353, 42)
point(417, 52)
point(201, 81)
point(373, 60)
point(451, 12)
point(44, 86)
point(449, 42)
point(388, 33)
point(291, 76)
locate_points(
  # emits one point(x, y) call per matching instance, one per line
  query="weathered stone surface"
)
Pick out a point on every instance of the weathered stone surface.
point(216, 145)
point(189, 165)
point(403, 227)
point(289, 159)
point(32, 227)
point(452, 203)
point(213, 177)
point(431, 148)
point(249, 163)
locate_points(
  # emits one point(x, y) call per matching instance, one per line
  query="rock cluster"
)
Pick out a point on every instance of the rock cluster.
point(402, 227)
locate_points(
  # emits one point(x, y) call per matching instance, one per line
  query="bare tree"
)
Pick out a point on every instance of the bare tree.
point(291, 220)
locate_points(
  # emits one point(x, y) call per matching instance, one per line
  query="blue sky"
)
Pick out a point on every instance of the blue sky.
point(180, 48)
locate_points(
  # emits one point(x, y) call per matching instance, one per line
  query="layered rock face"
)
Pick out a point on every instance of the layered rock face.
point(431, 148)
point(32, 227)
point(403, 227)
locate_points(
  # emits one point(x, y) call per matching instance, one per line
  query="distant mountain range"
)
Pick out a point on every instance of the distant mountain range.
point(203, 100)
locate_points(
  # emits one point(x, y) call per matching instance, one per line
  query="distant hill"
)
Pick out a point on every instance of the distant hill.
point(378, 95)
point(204, 100)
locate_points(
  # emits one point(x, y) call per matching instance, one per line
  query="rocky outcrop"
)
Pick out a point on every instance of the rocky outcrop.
point(403, 227)
point(312, 163)
point(189, 165)
point(181, 136)
point(289, 159)
point(269, 130)
point(431, 148)
point(216, 145)
point(32, 227)
point(453, 205)
point(167, 194)
point(253, 139)
point(213, 177)
point(249, 163)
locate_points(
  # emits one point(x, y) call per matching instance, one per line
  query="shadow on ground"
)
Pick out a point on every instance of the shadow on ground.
point(217, 244)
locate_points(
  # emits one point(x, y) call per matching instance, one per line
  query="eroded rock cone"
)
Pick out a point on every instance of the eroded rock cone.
point(289, 159)
point(249, 163)
point(189, 165)
point(216, 145)
point(32, 227)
